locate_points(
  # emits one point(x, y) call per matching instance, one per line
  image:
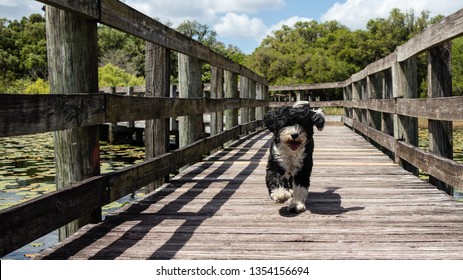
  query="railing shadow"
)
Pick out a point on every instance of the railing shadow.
point(183, 233)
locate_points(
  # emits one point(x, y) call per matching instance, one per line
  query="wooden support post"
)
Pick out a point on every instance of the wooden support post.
point(252, 95)
point(387, 123)
point(440, 85)
point(405, 85)
point(347, 96)
point(231, 91)
point(259, 96)
point(356, 96)
point(374, 87)
point(72, 47)
point(190, 85)
point(244, 93)
point(216, 93)
point(157, 75)
point(131, 124)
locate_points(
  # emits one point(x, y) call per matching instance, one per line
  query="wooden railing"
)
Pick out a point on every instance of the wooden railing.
point(381, 102)
point(77, 110)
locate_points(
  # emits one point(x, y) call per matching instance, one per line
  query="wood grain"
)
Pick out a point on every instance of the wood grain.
point(361, 205)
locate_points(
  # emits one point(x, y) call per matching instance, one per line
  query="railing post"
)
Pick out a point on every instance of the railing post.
point(356, 96)
point(347, 96)
point(244, 94)
point(189, 86)
point(374, 87)
point(405, 85)
point(216, 93)
point(72, 47)
point(387, 123)
point(252, 96)
point(157, 76)
point(440, 85)
point(231, 91)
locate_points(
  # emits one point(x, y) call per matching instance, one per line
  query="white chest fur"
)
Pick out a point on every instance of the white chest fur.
point(290, 160)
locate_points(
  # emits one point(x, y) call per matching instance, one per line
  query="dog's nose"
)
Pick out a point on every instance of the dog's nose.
point(294, 135)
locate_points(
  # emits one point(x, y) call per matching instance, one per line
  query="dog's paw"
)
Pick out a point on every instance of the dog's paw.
point(296, 207)
point(280, 195)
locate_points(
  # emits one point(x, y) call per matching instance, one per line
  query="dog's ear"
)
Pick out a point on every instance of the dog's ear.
point(271, 119)
point(318, 118)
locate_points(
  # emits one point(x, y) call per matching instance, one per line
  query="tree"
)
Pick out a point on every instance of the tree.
point(122, 50)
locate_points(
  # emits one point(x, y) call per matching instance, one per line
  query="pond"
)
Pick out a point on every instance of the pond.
point(27, 171)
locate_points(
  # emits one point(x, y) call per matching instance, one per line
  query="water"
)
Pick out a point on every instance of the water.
point(27, 171)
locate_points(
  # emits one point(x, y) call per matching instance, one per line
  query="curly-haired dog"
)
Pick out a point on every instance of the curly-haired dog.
point(290, 162)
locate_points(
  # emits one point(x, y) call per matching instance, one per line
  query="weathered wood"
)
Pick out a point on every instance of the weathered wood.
point(444, 30)
point(43, 113)
point(89, 9)
point(72, 47)
point(405, 85)
point(191, 128)
point(306, 86)
point(440, 85)
point(28, 221)
point(25, 222)
point(231, 91)
point(157, 76)
point(437, 166)
point(244, 93)
point(219, 209)
point(216, 93)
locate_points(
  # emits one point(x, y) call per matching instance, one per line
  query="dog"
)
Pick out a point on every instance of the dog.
point(290, 162)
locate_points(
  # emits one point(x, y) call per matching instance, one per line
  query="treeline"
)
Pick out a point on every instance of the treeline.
point(308, 52)
point(23, 55)
point(312, 52)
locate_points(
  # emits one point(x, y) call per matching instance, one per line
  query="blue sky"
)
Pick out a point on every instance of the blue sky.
point(244, 23)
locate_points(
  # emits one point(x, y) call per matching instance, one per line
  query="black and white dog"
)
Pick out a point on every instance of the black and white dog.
point(290, 162)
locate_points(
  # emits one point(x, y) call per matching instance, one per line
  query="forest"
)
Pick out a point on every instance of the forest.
point(308, 52)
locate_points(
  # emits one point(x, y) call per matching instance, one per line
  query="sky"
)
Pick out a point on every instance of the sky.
point(244, 23)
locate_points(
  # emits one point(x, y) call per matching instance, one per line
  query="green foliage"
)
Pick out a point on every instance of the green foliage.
point(38, 87)
point(110, 75)
point(122, 50)
point(312, 52)
point(457, 66)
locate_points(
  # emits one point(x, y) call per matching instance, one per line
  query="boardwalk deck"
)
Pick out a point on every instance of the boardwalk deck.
point(361, 206)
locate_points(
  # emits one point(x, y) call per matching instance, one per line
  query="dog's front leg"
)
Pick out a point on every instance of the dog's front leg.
point(297, 204)
point(276, 187)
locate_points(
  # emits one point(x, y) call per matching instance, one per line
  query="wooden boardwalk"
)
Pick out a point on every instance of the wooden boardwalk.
point(361, 205)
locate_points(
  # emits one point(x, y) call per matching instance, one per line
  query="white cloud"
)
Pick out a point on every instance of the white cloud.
point(204, 11)
point(356, 13)
point(240, 25)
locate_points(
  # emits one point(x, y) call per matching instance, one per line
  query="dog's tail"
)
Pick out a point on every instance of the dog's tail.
point(317, 116)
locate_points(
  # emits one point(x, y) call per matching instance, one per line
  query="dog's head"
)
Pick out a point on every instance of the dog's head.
point(293, 125)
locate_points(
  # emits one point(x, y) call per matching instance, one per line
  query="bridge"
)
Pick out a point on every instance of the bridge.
point(365, 201)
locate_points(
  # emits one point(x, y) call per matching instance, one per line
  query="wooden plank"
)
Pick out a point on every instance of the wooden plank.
point(439, 108)
point(25, 222)
point(445, 30)
point(440, 167)
point(51, 112)
point(89, 9)
point(297, 87)
point(73, 68)
point(219, 209)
